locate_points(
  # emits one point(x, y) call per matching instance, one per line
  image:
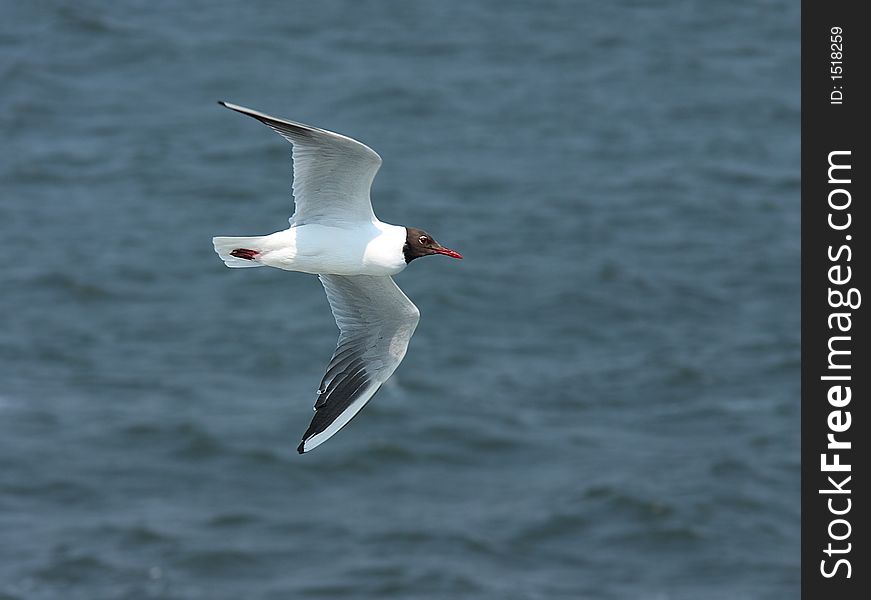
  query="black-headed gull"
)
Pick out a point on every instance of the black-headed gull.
point(335, 235)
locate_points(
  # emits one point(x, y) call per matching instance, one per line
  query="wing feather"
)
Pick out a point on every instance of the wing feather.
point(376, 321)
point(332, 173)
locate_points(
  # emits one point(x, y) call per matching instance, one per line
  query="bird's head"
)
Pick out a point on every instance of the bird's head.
point(419, 243)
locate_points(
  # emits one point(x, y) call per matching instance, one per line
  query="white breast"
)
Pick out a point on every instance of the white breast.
point(373, 249)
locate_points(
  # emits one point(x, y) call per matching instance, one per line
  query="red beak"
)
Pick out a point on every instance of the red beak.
point(448, 252)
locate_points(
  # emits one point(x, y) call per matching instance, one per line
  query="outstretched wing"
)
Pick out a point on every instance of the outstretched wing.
point(376, 321)
point(332, 174)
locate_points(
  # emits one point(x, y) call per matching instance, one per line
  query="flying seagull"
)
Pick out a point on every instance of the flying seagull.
point(335, 235)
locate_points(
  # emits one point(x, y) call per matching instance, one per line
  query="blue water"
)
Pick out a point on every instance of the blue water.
point(601, 401)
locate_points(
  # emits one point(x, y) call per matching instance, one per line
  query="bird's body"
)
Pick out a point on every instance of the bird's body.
point(373, 248)
point(335, 234)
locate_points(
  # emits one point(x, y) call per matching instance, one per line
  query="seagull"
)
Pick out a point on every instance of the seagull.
point(335, 235)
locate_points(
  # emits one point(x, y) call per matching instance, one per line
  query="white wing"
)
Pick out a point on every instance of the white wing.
point(332, 174)
point(376, 321)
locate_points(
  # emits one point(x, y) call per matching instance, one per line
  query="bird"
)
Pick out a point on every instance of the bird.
point(335, 235)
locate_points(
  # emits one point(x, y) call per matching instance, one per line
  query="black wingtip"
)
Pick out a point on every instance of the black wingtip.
point(222, 103)
point(301, 447)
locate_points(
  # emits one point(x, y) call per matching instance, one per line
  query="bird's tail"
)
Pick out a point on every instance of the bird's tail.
point(239, 252)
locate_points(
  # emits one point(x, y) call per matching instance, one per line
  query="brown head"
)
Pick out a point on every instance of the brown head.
point(419, 243)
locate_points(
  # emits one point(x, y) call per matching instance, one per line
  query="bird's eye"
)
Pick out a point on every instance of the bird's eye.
point(423, 240)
